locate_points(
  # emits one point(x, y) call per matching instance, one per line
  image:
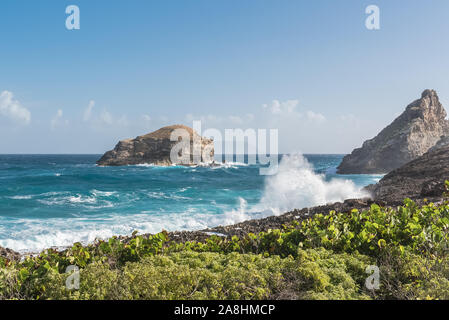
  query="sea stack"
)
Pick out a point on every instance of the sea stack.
point(155, 148)
point(409, 136)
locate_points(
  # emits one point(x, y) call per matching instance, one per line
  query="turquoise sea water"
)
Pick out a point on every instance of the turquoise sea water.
point(55, 200)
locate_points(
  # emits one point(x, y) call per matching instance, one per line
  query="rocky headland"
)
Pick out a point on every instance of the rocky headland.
point(420, 127)
point(155, 148)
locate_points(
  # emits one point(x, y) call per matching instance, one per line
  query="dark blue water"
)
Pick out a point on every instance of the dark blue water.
point(55, 200)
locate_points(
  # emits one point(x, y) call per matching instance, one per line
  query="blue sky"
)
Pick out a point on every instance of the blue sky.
point(309, 68)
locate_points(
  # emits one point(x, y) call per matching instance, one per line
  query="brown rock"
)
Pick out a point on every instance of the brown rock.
point(9, 254)
point(409, 136)
point(155, 148)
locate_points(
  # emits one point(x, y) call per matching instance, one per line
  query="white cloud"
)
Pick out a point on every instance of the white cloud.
point(236, 119)
point(123, 121)
point(11, 108)
point(220, 120)
point(209, 119)
point(58, 120)
point(146, 117)
point(88, 111)
point(315, 117)
point(163, 118)
point(286, 107)
point(348, 117)
point(106, 118)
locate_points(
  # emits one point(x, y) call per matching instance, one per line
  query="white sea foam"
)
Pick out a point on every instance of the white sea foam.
point(144, 165)
point(296, 185)
point(33, 235)
point(21, 197)
point(99, 193)
point(227, 165)
point(216, 164)
point(95, 200)
point(81, 199)
point(162, 195)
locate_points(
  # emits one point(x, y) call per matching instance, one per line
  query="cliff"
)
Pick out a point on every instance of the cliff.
point(409, 136)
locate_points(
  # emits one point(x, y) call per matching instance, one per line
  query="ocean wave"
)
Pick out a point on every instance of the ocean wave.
point(143, 165)
point(99, 193)
point(33, 235)
point(155, 166)
point(296, 186)
point(212, 165)
point(81, 199)
point(92, 201)
point(228, 165)
point(162, 195)
point(27, 197)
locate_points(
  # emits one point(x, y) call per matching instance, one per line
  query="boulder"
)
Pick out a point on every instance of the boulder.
point(409, 136)
point(156, 147)
point(9, 254)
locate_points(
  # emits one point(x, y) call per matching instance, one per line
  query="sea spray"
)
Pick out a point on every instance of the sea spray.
point(297, 186)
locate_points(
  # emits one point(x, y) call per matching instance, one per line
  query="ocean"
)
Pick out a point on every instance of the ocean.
point(56, 200)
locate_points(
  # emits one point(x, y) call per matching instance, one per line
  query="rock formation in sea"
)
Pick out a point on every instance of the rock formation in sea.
point(409, 136)
point(156, 147)
point(421, 178)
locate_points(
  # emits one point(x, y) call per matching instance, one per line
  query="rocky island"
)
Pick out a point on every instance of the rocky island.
point(420, 127)
point(155, 148)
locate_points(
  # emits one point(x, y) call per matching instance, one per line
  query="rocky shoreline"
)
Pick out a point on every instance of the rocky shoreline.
point(277, 222)
point(239, 229)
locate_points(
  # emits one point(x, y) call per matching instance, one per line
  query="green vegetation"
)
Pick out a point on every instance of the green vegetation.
point(323, 257)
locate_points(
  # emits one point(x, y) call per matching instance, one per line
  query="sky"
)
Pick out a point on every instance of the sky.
point(310, 69)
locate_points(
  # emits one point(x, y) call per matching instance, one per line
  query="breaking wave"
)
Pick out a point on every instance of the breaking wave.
point(297, 186)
